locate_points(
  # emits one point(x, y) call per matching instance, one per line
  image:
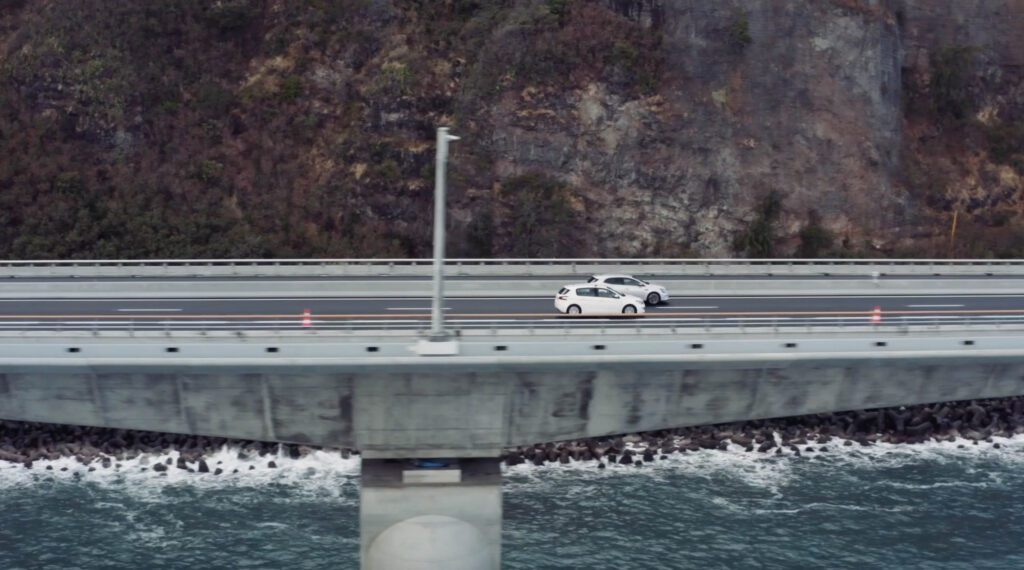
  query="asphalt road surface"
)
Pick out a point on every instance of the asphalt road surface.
point(493, 312)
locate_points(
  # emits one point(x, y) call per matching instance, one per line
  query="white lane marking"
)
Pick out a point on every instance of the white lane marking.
point(414, 308)
point(933, 306)
point(683, 307)
point(149, 310)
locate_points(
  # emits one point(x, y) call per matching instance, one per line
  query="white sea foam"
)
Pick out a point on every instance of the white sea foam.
point(772, 472)
point(328, 474)
point(324, 472)
point(834, 507)
point(758, 469)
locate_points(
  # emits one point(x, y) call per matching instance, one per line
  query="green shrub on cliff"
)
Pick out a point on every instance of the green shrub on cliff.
point(291, 88)
point(758, 239)
point(538, 219)
point(739, 31)
point(952, 68)
point(231, 15)
point(213, 100)
point(558, 8)
point(577, 43)
point(815, 239)
point(1006, 144)
point(396, 79)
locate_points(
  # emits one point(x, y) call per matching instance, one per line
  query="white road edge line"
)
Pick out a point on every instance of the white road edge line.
point(149, 310)
point(934, 306)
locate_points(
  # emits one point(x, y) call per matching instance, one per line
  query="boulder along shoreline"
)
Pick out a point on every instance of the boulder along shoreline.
point(972, 420)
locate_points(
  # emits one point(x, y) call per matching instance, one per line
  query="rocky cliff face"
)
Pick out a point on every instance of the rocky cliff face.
point(590, 128)
point(964, 125)
point(798, 98)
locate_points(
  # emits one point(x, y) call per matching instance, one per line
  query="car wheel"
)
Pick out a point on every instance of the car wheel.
point(653, 299)
point(629, 310)
point(574, 310)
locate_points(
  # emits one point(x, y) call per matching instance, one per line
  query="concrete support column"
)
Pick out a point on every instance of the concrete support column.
point(436, 514)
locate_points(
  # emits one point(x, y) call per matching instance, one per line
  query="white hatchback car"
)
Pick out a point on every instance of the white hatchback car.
point(586, 299)
point(652, 293)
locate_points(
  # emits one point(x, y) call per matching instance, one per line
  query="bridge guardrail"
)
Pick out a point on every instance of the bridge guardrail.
point(325, 327)
point(317, 334)
point(499, 267)
point(545, 287)
point(88, 350)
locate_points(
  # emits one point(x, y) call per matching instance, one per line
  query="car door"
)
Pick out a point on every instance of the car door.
point(610, 301)
point(624, 285)
point(616, 283)
point(633, 287)
point(587, 299)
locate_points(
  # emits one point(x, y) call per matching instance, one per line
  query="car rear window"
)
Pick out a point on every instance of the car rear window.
point(592, 279)
point(563, 291)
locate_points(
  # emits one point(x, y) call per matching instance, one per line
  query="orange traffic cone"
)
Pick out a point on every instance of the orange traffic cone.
point(307, 318)
point(876, 315)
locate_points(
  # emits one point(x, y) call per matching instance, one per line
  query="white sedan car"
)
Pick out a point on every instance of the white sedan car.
point(588, 299)
point(652, 293)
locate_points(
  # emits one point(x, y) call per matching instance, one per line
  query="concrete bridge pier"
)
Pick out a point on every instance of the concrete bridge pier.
point(427, 514)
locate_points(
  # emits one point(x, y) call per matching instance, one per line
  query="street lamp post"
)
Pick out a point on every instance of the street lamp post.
point(437, 309)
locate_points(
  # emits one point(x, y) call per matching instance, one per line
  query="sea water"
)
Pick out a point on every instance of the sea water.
point(937, 505)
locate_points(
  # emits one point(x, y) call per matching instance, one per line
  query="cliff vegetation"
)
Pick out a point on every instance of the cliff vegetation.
point(304, 128)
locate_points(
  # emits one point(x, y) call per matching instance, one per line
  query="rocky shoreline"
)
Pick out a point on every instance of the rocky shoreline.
point(974, 421)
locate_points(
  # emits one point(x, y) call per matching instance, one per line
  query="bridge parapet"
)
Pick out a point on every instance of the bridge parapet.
point(500, 390)
point(128, 268)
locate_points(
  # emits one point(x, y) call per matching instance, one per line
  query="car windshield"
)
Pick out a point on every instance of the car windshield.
point(592, 279)
point(614, 291)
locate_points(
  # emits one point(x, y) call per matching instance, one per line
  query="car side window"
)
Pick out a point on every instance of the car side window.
point(632, 282)
point(613, 281)
point(585, 292)
point(606, 293)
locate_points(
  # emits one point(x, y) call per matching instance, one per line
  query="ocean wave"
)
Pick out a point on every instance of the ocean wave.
point(834, 506)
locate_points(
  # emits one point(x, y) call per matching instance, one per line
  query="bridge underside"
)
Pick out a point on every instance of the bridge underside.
point(474, 410)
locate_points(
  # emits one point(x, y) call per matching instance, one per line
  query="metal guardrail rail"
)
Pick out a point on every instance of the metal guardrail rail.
point(852, 322)
point(501, 267)
point(709, 330)
point(181, 287)
point(515, 261)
